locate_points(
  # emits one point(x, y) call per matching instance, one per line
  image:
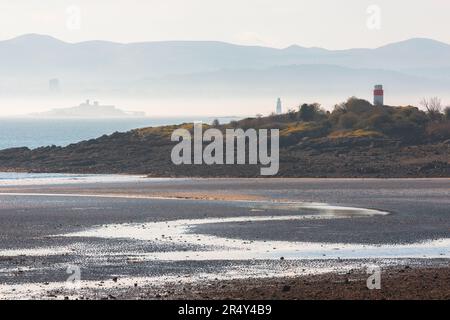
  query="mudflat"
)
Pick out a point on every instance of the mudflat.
point(132, 238)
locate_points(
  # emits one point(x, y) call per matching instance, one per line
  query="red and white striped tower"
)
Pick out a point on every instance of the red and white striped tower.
point(378, 95)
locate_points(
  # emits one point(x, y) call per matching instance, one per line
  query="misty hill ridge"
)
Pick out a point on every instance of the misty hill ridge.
point(411, 68)
point(171, 57)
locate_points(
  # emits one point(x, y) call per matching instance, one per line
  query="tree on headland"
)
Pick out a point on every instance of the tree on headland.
point(433, 106)
point(309, 112)
point(354, 105)
point(447, 113)
point(292, 114)
point(215, 123)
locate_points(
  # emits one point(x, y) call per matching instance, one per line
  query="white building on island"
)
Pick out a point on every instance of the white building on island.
point(279, 107)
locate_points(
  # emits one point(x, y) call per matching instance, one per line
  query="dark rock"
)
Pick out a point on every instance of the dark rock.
point(286, 288)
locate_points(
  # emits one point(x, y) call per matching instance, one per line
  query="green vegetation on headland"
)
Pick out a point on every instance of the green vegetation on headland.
point(356, 139)
point(357, 118)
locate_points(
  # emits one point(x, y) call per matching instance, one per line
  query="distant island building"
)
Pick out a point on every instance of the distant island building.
point(54, 86)
point(378, 95)
point(88, 110)
point(279, 107)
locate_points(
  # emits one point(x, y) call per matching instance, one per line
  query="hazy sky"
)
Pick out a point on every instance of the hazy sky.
point(279, 23)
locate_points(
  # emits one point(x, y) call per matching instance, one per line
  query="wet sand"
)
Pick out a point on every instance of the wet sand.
point(38, 223)
point(399, 283)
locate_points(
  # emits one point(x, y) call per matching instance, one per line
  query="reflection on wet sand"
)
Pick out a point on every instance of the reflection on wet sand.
point(183, 232)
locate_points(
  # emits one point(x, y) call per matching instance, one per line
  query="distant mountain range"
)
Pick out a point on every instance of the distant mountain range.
point(162, 69)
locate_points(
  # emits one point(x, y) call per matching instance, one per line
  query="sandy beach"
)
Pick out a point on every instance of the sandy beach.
point(135, 237)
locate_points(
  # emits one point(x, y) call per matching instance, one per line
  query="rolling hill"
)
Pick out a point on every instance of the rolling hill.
point(192, 67)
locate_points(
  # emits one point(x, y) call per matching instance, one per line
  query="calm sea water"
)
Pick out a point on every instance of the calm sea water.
point(20, 179)
point(34, 133)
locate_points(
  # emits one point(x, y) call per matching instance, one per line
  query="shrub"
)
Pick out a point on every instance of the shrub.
point(355, 134)
point(433, 106)
point(358, 106)
point(377, 121)
point(348, 120)
point(414, 114)
point(447, 113)
point(439, 130)
point(309, 112)
point(404, 129)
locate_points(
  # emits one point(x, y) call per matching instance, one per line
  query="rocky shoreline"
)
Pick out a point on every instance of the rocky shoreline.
point(397, 283)
point(126, 153)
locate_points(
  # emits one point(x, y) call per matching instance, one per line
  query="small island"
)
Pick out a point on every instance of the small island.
point(88, 110)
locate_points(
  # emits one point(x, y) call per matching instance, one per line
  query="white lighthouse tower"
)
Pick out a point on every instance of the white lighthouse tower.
point(279, 106)
point(378, 95)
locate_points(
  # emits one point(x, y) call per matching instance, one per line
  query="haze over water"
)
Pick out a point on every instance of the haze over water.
point(34, 133)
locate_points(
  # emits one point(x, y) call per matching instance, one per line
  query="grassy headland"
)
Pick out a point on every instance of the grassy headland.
point(356, 139)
